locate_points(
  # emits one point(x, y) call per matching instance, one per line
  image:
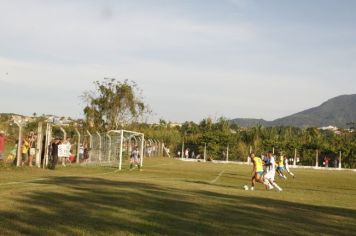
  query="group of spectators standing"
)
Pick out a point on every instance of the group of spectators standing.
point(59, 151)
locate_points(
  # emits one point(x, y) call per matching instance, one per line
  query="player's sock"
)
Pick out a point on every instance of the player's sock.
point(276, 186)
point(131, 165)
point(139, 167)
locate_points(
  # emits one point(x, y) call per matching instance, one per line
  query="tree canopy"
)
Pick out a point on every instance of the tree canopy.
point(113, 104)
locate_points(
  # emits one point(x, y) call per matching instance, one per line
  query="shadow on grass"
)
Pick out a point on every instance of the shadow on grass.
point(97, 206)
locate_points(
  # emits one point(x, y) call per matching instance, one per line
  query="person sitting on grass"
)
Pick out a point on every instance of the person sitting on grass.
point(135, 159)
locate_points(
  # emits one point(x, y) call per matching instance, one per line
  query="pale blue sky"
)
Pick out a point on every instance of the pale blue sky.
point(192, 59)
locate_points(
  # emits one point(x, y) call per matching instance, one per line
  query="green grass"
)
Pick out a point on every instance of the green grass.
point(171, 197)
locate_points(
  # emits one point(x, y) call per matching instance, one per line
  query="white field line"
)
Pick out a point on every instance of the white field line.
point(217, 177)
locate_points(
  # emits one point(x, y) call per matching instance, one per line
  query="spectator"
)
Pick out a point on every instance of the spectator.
point(25, 146)
point(326, 162)
point(32, 144)
point(53, 151)
point(2, 144)
point(149, 151)
point(11, 158)
point(86, 152)
point(81, 152)
point(68, 147)
point(186, 153)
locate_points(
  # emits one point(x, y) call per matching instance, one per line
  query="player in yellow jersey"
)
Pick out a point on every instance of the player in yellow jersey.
point(280, 167)
point(257, 172)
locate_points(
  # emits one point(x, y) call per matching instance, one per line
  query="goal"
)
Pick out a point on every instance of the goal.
point(112, 147)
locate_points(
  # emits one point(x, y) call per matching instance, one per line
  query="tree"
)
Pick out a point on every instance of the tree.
point(114, 104)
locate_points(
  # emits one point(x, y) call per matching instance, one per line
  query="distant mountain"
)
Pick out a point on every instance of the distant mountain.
point(250, 122)
point(337, 112)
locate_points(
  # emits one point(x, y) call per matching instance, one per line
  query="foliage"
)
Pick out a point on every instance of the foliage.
point(221, 135)
point(114, 104)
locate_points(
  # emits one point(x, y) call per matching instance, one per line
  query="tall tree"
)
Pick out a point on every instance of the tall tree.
point(113, 104)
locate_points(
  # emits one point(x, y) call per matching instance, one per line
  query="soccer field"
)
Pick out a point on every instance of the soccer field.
point(170, 197)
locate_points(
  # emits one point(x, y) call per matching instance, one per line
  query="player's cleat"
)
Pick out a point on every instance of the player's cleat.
point(252, 188)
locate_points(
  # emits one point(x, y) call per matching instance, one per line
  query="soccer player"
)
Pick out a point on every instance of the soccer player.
point(280, 167)
point(135, 158)
point(286, 166)
point(257, 172)
point(270, 172)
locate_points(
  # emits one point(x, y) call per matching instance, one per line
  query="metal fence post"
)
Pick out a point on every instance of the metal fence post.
point(109, 147)
point(64, 134)
point(78, 145)
point(47, 143)
point(99, 145)
point(90, 144)
point(19, 144)
point(39, 144)
point(204, 151)
point(141, 151)
point(121, 144)
point(295, 157)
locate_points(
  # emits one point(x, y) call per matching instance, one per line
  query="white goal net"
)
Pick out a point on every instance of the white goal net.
point(114, 146)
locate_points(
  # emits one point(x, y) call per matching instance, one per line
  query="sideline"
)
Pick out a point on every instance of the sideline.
point(217, 177)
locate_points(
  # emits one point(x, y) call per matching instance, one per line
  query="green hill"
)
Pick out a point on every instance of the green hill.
point(338, 111)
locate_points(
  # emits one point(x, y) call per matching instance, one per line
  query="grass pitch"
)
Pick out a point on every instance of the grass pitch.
point(171, 197)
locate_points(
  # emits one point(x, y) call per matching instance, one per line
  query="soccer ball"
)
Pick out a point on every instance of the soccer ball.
point(245, 187)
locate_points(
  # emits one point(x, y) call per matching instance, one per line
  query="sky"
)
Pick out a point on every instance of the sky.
point(192, 59)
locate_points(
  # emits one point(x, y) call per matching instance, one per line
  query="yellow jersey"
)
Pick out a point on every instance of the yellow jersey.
point(258, 164)
point(25, 146)
point(281, 161)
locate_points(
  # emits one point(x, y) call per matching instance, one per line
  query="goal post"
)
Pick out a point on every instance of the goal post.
point(120, 141)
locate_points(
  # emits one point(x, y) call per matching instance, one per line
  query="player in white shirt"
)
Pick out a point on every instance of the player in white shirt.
point(270, 172)
point(286, 166)
point(135, 159)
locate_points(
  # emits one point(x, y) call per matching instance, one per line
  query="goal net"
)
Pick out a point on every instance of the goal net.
point(114, 146)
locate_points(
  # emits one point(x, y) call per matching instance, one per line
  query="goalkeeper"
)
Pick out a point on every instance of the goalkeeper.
point(135, 159)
